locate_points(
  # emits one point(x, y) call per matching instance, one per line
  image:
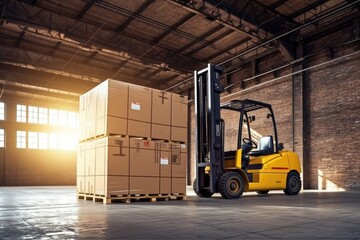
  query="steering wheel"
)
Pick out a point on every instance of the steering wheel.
point(248, 141)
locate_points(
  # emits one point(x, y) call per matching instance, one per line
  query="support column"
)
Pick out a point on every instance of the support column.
point(298, 116)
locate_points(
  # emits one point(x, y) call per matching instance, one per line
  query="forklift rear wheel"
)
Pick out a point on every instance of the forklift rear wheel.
point(203, 192)
point(263, 192)
point(293, 183)
point(231, 185)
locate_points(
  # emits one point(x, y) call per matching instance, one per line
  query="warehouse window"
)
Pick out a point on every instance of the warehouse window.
point(21, 139)
point(33, 140)
point(53, 141)
point(43, 115)
point(2, 111)
point(2, 138)
point(62, 118)
point(43, 140)
point(62, 142)
point(21, 113)
point(33, 114)
point(53, 117)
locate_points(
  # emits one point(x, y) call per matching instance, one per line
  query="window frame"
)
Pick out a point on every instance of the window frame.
point(21, 113)
point(2, 111)
point(2, 138)
point(21, 139)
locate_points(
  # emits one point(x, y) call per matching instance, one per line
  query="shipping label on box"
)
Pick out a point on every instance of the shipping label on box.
point(164, 160)
point(163, 154)
point(135, 106)
point(139, 103)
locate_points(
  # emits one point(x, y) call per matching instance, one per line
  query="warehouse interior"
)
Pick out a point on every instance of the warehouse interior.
point(302, 57)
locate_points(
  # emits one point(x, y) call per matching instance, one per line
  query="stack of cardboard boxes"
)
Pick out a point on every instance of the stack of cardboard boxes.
point(132, 141)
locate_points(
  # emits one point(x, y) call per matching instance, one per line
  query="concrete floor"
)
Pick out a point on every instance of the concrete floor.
point(56, 213)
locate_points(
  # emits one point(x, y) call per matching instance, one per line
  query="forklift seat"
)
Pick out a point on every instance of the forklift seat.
point(265, 147)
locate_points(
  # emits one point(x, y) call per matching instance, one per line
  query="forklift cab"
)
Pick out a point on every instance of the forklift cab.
point(256, 131)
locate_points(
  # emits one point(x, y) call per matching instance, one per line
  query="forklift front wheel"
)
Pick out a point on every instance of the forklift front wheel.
point(231, 185)
point(202, 192)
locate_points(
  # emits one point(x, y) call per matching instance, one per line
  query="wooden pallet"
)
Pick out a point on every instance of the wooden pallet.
point(131, 197)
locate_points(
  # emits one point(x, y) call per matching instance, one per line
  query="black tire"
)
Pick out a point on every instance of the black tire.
point(231, 185)
point(202, 192)
point(293, 184)
point(263, 192)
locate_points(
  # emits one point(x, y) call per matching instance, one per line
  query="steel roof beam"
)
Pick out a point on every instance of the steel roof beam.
point(277, 4)
point(175, 26)
point(219, 37)
point(137, 12)
point(307, 8)
point(234, 45)
point(203, 36)
point(85, 10)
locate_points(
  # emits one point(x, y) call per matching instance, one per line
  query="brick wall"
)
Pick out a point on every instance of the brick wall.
point(333, 123)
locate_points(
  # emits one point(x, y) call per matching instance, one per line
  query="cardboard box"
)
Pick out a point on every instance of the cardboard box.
point(178, 185)
point(178, 160)
point(90, 100)
point(111, 125)
point(82, 117)
point(165, 185)
point(118, 155)
point(80, 184)
point(100, 185)
point(90, 158)
point(112, 156)
point(179, 134)
point(160, 131)
point(161, 107)
point(90, 184)
point(179, 110)
point(142, 158)
point(117, 99)
point(112, 112)
point(163, 155)
point(144, 185)
point(111, 185)
point(80, 159)
point(117, 185)
point(139, 129)
point(104, 110)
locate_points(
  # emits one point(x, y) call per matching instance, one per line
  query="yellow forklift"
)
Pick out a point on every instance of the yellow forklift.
point(250, 158)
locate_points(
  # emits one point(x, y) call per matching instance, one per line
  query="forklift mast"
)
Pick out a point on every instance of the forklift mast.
point(209, 128)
